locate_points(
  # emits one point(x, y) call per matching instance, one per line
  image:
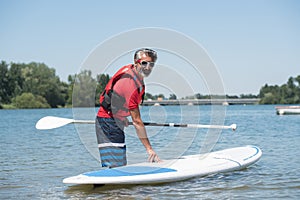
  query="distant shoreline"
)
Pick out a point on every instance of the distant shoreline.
point(188, 102)
point(239, 101)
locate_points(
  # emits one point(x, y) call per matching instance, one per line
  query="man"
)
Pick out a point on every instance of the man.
point(120, 99)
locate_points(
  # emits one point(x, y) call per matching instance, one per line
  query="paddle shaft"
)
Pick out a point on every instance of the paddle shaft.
point(166, 124)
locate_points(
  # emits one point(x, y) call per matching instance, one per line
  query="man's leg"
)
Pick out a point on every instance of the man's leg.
point(111, 143)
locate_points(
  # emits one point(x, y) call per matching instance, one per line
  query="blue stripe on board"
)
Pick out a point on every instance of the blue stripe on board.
point(129, 171)
point(239, 164)
point(257, 150)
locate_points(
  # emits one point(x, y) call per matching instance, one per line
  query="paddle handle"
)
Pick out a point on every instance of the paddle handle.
point(233, 126)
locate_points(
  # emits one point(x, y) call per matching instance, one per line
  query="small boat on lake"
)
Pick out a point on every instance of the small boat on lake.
point(287, 110)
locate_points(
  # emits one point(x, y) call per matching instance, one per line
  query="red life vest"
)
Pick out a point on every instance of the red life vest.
point(113, 102)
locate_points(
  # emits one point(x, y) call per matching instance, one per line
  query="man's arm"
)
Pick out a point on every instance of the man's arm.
point(142, 134)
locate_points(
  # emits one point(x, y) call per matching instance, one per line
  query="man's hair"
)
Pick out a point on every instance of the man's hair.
point(148, 52)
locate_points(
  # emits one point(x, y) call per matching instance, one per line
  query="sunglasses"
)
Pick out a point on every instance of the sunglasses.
point(146, 63)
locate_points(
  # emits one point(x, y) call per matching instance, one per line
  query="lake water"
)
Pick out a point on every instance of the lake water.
point(34, 162)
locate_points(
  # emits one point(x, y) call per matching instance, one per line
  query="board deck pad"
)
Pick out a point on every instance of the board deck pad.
point(182, 168)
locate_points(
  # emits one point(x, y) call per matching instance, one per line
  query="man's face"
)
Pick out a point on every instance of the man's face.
point(145, 65)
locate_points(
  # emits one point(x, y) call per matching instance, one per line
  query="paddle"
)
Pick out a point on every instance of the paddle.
point(50, 122)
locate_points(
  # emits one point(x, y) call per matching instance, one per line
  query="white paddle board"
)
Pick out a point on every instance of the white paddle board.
point(173, 170)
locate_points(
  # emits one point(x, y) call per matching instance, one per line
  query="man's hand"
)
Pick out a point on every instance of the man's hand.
point(153, 157)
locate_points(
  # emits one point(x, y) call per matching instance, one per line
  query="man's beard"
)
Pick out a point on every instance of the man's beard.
point(144, 74)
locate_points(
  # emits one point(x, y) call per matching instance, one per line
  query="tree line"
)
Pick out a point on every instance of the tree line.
point(288, 93)
point(35, 85)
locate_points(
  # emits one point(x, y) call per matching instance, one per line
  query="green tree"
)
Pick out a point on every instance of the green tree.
point(5, 91)
point(102, 80)
point(269, 94)
point(268, 98)
point(84, 88)
point(288, 93)
point(28, 100)
point(41, 80)
point(173, 97)
point(198, 96)
point(149, 96)
point(160, 96)
point(16, 78)
point(64, 88)
point(71, 81)
point(248, 96)
point(297, 89)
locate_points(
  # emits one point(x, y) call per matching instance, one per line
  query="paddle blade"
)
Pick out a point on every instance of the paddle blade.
point(50, 122)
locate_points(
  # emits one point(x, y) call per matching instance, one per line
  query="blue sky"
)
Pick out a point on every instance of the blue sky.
point(251, 42)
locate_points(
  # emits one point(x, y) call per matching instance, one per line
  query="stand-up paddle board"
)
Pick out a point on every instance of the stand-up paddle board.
point(173, 170)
